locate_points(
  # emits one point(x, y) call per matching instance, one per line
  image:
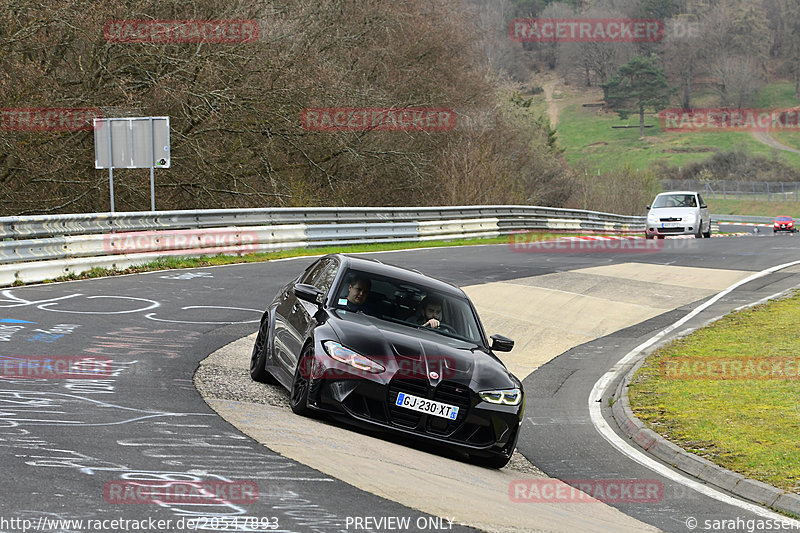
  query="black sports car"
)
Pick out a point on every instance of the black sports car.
point(392, 349)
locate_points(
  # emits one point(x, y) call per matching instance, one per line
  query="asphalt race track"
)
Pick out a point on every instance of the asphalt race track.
point(68, 444)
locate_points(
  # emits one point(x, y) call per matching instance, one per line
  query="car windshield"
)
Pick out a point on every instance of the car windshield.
point(407, 303)
point(675, 200)
point(784, 219)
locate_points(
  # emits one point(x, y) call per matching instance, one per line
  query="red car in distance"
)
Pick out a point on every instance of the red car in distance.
point(783, 224)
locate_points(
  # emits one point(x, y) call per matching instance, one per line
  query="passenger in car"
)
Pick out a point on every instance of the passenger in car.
point(357, 292)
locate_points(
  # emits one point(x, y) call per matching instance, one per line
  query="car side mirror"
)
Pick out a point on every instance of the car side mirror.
point(703, 206)
point(648, 208)
point(501, 343)
point(309, 293)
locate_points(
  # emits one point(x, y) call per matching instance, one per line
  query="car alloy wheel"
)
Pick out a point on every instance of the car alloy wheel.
point(298, 398)
point(258, 360)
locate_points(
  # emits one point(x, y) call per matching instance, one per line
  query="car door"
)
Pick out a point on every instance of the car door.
point(704, 213)
point(300, 319)
point(286, 335)
point(282, 336)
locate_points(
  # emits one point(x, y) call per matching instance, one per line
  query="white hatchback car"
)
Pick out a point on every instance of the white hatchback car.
point(678, 213)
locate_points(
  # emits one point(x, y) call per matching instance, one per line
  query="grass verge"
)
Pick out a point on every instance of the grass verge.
point(176, 262)
point(745, 425)
point(763, 208)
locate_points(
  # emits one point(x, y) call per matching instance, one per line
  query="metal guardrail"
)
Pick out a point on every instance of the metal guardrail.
point(93, 223)
point(740, 218)
point(36, 248)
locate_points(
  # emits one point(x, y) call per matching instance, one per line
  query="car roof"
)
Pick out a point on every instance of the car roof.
point(677, 192)
point(373, 266)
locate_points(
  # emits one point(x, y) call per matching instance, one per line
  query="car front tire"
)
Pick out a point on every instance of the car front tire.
point(301, 383)
point(258, 359)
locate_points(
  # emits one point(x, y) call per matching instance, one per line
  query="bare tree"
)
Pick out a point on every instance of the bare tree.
point(684, 54)
point(594, 63)
point(235, 108)
point(738, 80)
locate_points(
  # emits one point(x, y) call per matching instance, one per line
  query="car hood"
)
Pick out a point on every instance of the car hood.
point(417, 352)
point(674, 212)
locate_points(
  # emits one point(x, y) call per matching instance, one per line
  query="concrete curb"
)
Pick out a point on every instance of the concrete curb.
point(713, 474)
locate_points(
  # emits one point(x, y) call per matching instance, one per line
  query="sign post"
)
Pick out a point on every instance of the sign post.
point(131, 142)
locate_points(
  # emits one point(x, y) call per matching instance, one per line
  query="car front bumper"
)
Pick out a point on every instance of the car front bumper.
point(368, 400)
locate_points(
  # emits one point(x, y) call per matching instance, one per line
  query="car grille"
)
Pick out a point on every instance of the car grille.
point(475, 433)
point(405, 417)
point(671, 230)
point(670, 219)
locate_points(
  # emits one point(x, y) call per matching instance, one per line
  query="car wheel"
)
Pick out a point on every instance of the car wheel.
point(662, 236)
point(648, 236)
point(699, 234)
point(298, 397)
point(707, 234)
point(258, 360)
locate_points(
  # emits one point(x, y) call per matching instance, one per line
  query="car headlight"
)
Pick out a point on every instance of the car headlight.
point(652, 218)
point(504, 397)
point(354, 359)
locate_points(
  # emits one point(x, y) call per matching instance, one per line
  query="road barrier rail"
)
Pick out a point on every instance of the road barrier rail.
point(37, 248)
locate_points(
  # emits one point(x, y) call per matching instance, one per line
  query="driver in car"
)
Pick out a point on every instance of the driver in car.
point(429, 312)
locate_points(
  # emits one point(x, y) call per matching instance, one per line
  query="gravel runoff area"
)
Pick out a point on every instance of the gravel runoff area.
point(225, 375)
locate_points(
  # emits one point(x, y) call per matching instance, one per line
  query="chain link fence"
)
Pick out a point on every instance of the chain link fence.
point(771, 191)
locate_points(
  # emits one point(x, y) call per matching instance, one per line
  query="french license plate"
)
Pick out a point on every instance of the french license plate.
point(670, 224)
point(430, 407)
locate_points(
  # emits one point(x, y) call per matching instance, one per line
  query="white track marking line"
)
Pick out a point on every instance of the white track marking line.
point(641, 457)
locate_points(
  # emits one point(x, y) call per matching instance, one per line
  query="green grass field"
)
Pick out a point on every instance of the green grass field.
point(589, 140)
point(776, 95)
point(760, 208)
point(746, 425)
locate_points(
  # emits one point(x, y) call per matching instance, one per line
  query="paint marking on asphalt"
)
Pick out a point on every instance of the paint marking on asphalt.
point(599, 390)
